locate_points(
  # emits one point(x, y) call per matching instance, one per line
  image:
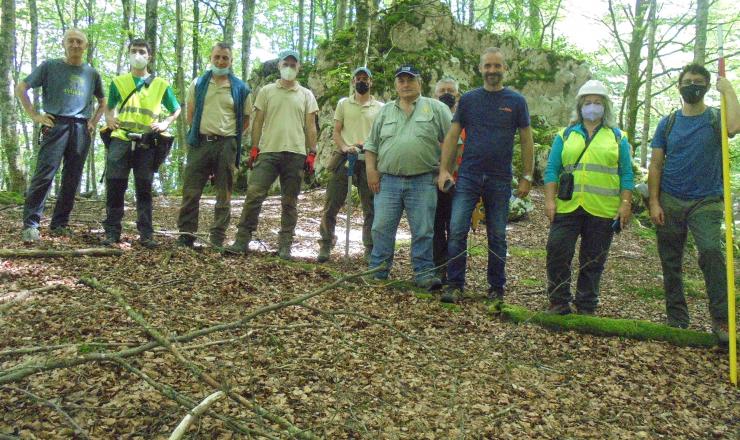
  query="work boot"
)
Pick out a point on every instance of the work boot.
point(451, 295)
point(722, 330)
point(216, 241)
point(559, 308)
point(61, 231)
point(430, 284)
point(185, 241)
point(324, 252)
point(284, 252)
point(30, 235)
point(148, 242)
point(495, 294)
point(111, 239)
point(239, 247)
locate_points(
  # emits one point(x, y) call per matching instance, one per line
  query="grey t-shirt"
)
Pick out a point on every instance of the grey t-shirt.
point(67, 90)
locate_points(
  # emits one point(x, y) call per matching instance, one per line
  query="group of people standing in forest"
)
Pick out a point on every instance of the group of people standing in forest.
point(434, 158)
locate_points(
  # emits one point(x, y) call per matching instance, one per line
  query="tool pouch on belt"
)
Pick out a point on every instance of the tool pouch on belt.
point(336, 160)
point(162, 146)
point(105, 136)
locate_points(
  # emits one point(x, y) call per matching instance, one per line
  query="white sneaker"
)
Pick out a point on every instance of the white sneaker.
point(30, 235)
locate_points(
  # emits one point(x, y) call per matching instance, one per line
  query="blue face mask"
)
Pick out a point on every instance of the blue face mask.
point(592, 112)
point(220, 71)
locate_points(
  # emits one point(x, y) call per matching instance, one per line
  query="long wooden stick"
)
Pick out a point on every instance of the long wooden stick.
point(194, 414)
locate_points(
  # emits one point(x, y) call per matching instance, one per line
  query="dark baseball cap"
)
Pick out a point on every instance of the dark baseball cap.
point(407, 69)
point(288, 53)
point(364, 70)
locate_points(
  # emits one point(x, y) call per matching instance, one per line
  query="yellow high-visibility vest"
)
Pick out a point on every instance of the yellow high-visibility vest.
point(596, 177)
point(142, 108)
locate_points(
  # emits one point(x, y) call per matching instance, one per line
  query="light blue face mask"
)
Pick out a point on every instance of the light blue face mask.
point(592, 112)
point(220, 71)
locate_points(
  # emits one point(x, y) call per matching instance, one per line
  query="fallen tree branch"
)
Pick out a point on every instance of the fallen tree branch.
point(52, 253)
point(16, 374)
point(193, 415)
point(78, 429)
point(10, 298)
point(77, 347)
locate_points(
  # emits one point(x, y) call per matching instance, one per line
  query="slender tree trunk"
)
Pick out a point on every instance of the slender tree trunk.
point(8, 116)
point(362, 27)
point(534, 20)
point(150, 30)
point(127, 35)
point(230, 22)
point(91, 183)
point(311, 27)
point(247, 27)
point(700, 44)
point(491, 15)
point(179, 152)
point(34, 17)
point(196, 38)
point(633, 69)
point(652, 25)
point(301, 27)
point(60, 13)
point(325, 19)
point(471, 12)
point(341, 15)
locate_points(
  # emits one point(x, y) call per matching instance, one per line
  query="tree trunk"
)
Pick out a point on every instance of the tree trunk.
point(127, 6)
point(196, 38)
point(8, 116)
point(60, 13)
point(700, 43)
point(491, 15)
point(534, 20)
point(230, 22)
point(247, 27)
point(634, 60)
point(341, 15)
point(652, 25)
point(179, 151)
point(34, 17)
point(91, 183)
point(301, 27)
point(362, 27)
point(325, 18)
point(150, 30)
point(471, 13)
point(311, 27)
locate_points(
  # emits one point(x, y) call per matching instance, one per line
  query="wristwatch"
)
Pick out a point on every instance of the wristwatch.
point(527, 177)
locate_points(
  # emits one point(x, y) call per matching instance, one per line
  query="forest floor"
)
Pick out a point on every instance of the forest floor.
point(371, 361)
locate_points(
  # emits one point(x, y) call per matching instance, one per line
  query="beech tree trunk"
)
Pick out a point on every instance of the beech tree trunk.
point(247, 27)
point(700, 43)
point(196, 39)
point(230, 22)
point(179, 151)
point(150, 30)
point(8, 117)
point(341, 16)
point(647, 106)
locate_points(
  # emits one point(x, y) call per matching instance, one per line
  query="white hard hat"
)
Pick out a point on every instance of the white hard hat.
point(593, 87)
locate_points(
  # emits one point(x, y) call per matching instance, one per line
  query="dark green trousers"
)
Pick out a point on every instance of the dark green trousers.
point(288, 167)
point(703, 217)
point(336, 196)
point(215, 159)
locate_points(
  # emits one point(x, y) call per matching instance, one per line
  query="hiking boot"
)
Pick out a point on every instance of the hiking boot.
point(676, 324)
point(581, 311)
point(722, 330)
point(284, 252)
point(495, 294)
point(559, 308)
point(217, 242)
point(430, 284)
point(30, 235)
point(240, 246)
point(324, 252)
point(61, 231)
point(111, 239)
point(451, 295)
point(148, 242)
point(185, 241)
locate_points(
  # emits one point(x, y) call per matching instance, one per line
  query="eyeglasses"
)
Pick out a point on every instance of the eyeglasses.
point(697, 82)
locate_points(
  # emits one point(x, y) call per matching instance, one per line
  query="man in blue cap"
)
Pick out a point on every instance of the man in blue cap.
point(353, 120)
point(283, 131)
point(401, 157)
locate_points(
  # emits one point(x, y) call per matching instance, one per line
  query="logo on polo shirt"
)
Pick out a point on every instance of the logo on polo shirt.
point(505, 109)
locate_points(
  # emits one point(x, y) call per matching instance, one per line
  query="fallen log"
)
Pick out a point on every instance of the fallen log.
point(57, 253)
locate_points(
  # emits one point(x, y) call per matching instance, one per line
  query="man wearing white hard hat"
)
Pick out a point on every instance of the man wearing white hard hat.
point(588, 193)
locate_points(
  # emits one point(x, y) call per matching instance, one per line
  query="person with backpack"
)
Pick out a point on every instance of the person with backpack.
point(134, 104)
point(588, 193)
point(685, 193)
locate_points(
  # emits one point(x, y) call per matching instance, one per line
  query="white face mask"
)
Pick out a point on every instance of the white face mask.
point(137, 60)
point(288, 73)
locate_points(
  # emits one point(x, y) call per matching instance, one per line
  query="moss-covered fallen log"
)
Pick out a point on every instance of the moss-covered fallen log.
point(59, 253)
point(602, 326)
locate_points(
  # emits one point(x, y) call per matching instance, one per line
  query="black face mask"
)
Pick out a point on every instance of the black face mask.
point(362, 87)
point(693, 93)
point(448, 99)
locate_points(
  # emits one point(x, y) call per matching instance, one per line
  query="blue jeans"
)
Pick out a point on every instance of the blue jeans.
point(418, 196)
point(496, 193)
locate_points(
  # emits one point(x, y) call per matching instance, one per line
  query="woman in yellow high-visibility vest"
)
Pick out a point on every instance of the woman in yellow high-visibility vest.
point(598, 158)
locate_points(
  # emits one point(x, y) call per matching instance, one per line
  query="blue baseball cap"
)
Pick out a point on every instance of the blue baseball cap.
point(288, 53)
point(407, 69)
point(364, 70)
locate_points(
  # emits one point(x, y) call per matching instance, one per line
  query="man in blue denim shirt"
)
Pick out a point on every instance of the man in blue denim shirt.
point(490, 116)
point(401, 157)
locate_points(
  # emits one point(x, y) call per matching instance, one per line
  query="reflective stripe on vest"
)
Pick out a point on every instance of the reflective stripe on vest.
point(596, 177)
point(142, 108)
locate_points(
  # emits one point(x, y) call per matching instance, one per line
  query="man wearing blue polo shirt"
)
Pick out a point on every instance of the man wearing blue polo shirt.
point(490, 116)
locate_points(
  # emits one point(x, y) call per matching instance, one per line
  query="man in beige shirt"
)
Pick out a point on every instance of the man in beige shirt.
point(284, 129)
point(353, 120)
point(218, 113)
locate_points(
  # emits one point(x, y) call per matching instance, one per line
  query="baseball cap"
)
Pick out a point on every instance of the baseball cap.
point(362, 70)
point(288, 53)
point(408, 69)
